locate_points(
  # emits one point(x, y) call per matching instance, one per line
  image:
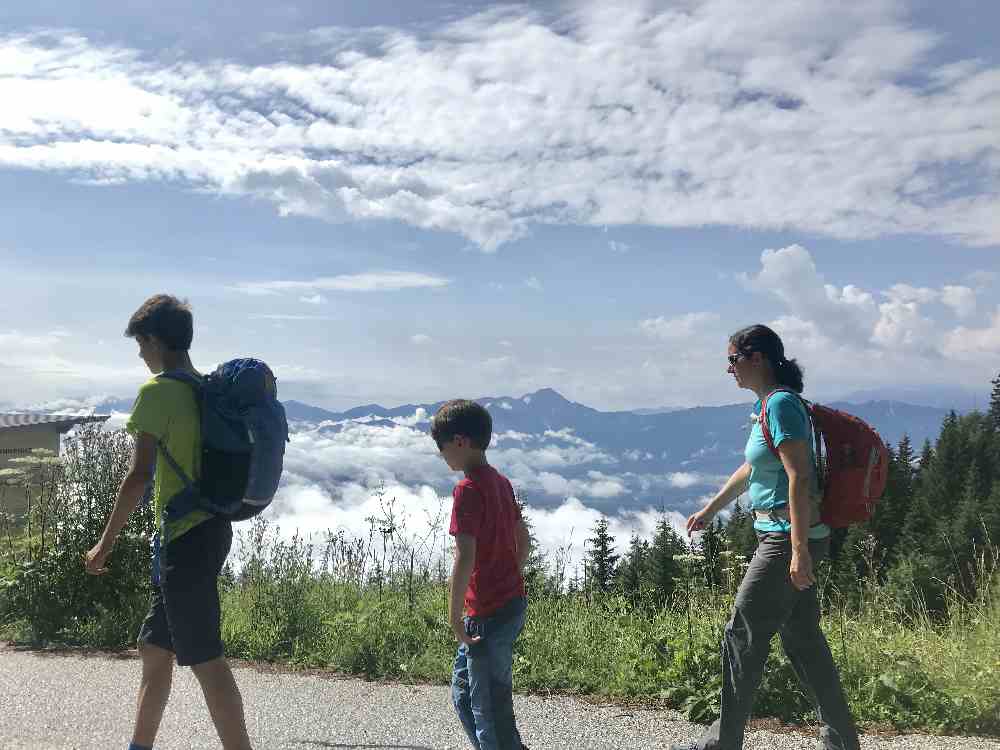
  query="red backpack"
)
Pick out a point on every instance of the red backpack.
point(852, 462)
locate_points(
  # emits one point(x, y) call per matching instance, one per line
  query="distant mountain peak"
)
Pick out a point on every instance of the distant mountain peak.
point(550, 395)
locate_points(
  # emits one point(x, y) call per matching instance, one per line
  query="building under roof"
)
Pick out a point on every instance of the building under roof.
point(22, 433)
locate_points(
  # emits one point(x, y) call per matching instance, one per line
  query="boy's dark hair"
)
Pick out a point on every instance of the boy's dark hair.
point(167, 318)
point(462, 417)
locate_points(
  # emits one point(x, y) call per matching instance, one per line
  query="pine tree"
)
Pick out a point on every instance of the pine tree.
point(663, 572)
point(848, 569)
point(969, 531)
point(601, 558)
point(894, 507)
point(536, 566)
point(710, 546)
point(740, 536)
point(994, 413)
point(632, 568)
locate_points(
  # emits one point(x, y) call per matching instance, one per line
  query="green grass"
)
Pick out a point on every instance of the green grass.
point(943, 677)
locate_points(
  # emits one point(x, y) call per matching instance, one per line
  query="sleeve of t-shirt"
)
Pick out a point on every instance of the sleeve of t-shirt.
point(466, 510)
point(149, 412)
point(786, 418)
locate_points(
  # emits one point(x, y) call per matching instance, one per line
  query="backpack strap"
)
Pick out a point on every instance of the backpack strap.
point(183, 376)
point(187, 500)
point(765, 428)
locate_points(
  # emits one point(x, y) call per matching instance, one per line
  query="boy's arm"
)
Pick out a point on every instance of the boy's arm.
point(523, 543)
point(129, 494)
point(461, 573)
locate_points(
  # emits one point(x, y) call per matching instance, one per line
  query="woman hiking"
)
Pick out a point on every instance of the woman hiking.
point(778, 592)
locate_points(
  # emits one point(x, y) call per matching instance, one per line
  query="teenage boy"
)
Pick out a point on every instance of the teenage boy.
point(184, 618)
point(492, 544)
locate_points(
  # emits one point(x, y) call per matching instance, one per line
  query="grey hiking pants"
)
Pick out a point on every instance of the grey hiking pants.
point(768, 603)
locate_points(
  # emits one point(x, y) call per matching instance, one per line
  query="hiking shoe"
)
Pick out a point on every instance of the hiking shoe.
point(689, 745)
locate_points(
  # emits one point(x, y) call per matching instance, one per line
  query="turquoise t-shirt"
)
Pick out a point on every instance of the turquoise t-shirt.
point(768, 485)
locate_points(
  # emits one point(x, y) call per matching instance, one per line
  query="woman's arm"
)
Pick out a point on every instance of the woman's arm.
point(729, 492)
point(795, 458)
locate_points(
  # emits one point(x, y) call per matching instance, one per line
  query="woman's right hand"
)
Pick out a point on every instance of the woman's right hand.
point(698, 521)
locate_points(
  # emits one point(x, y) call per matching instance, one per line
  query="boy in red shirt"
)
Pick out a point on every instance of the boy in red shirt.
point(492, 544)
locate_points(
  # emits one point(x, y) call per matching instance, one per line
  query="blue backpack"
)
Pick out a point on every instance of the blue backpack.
point(243, 436)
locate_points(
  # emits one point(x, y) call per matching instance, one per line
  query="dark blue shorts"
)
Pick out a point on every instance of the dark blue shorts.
point(185, 614)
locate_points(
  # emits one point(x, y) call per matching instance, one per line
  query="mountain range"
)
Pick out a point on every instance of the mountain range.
point(554, 448)
point(663, 458)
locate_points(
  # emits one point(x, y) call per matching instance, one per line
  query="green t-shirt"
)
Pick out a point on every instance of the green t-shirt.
point(166, 409)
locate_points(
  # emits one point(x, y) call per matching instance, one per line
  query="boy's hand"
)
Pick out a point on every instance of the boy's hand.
point(94, 562)
point(458, 628)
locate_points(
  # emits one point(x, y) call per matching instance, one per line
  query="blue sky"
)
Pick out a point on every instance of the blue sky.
point(405, 204)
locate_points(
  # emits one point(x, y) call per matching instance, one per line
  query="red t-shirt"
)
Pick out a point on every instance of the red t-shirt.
point(484, 508)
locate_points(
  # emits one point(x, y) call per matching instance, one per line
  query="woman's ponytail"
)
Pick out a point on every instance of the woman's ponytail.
point(788, 373)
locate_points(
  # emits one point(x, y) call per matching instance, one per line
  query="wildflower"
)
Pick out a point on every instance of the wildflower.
point(11, 476)
point(688, 558)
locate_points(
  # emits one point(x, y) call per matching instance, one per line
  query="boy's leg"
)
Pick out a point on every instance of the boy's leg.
point(809, 653)
point(189, 577)
point(154, 690)
point(461, 696)
point(501, 648)
point(225, 703)
point(490, 665)
point(156, 651)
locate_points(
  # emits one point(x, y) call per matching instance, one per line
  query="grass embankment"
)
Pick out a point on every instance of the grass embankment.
point(907, 672)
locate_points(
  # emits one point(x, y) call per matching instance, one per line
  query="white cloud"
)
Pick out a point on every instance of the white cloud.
point(420, 339)
point(333, 471)
point(387, 281)
point(901, 323)
point(420, 416)
point(961, 299)
point(532, 282)
point(678, 328)
point(618, 248)
point(791, 275)
point(728, 112)
point(973, 343)
point(315, 299)
point(683, 479)
point(288, 317)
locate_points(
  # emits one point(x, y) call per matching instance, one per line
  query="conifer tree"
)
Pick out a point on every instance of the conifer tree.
point(663, 570)
point(740, 536)
point(601, 558)
point(711, 545)
point(632, 568)
point(891, 511)
point(535, 568)
point(994, 413)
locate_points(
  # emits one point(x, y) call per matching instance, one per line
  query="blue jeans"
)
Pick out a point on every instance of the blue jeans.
point(482, 680)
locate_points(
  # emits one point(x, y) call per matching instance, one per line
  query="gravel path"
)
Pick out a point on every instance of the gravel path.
point(58, 702)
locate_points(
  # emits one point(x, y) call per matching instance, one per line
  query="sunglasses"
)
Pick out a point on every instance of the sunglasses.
point(734, 358)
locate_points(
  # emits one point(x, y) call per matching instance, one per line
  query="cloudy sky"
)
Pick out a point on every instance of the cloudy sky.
point(467, 198)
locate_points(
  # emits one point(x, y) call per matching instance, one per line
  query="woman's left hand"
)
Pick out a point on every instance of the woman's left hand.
point(801, 570)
